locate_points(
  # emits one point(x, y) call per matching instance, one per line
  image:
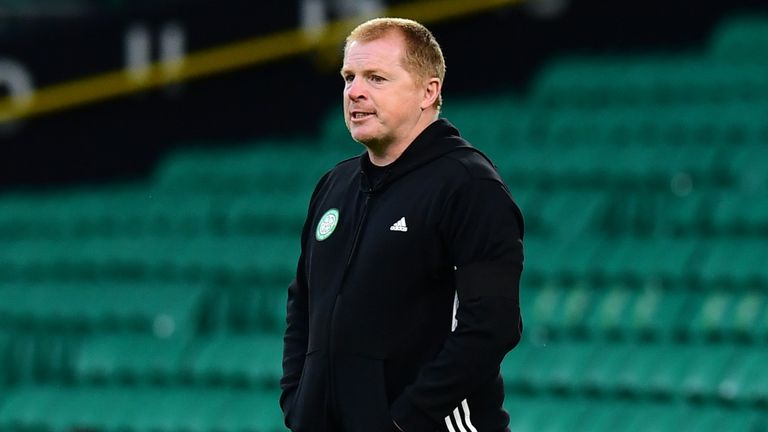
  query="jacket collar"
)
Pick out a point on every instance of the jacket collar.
point(437, 139)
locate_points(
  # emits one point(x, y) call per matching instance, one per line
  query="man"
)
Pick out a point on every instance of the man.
point(405, 299)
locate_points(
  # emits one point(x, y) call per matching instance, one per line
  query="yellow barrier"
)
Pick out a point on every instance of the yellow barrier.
point(224, 58)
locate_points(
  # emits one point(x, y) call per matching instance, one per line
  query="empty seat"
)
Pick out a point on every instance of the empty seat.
point(250, 360)
point(128, 359)
point(728, 262)
point(741, 40)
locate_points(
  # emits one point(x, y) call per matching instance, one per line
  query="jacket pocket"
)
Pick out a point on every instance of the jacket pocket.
point(307, 402)
point(362, 393)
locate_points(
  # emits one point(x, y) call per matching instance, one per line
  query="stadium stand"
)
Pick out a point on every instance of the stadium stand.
point(159, 306)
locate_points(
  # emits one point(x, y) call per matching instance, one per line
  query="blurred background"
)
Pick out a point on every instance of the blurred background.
point(157, 158)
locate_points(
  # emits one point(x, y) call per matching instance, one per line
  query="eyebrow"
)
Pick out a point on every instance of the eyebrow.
point(345, 71)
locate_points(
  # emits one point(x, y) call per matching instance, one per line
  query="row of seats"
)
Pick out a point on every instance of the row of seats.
point(651, 313)
point(715, 373)
point(115, 359)
point(701, 373)
point(560, 308)
point(166, 410)
point(675, 261)
point(269, 167)
point(558, 414)
point(684, 211)
point(741, 40)
point(257, 261)
point(140, 409)
point(164, 309)
point(243, 260)
point(221, 360)
point(142, 213)
point(647, 81)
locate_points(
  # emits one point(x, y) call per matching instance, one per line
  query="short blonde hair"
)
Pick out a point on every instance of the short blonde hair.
point(423, 56)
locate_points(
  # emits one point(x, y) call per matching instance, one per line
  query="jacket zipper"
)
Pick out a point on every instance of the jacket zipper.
point(331, 347)
point(356, 238)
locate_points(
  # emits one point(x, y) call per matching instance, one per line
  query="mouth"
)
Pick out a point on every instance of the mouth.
point(357, 116)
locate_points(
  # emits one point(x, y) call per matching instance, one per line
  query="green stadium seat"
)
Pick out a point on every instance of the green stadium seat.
point(128, 360)
point(706, 364)
point(536, 414)
point(729, 218)
point(729, 262)
point(492, 124)
point(745, 314)
point(574, 259)
point(580, 209)
point(712, 311)
point(735, 378)
point(750, 162)
point(631, 380)
point(754, 388)
point(561, 309)
point(741, 40)
point(256, 215)
point(599, 375)
point(610, 317)
point(252, 360)
point(647, 259)
point(260, 309)
point(662, 380)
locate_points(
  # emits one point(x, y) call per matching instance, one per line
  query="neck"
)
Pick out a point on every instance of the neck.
point(383, 155)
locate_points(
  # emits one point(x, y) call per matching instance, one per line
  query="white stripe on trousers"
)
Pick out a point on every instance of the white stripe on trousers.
point(458, 418)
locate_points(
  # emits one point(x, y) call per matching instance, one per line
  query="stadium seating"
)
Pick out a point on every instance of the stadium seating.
point(159, 306)
point(741, 40)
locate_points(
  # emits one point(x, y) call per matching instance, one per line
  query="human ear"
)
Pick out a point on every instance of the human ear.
point(431, 92)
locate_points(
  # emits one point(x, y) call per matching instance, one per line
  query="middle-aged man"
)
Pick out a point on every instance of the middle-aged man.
point(405, 299)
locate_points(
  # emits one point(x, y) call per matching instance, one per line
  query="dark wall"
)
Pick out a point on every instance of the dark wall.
point(123, 137)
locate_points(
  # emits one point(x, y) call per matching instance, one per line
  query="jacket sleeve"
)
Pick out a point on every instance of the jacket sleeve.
point(296, 335)
point(482, 229)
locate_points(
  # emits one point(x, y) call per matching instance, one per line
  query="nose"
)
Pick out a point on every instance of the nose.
point(355, 90)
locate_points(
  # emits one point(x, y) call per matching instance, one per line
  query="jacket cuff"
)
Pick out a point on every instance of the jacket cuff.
point(410, 418)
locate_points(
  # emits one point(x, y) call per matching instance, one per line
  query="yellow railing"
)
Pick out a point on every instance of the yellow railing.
point(223, 58)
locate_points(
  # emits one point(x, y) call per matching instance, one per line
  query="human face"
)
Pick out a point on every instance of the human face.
point(382, 100)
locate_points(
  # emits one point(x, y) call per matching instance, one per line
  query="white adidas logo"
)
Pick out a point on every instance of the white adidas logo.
point(399, 225)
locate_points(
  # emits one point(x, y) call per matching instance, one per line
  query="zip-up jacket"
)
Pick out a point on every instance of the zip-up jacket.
point(405, 299)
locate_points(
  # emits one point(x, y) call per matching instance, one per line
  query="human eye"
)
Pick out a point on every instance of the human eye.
point(348, 77)
point(377, 78)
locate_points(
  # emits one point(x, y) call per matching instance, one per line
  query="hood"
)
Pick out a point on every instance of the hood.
point(438, 139)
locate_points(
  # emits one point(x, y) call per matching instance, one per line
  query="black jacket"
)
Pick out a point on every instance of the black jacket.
point(370, 318)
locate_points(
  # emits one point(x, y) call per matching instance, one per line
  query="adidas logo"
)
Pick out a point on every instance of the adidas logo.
point(399, 225)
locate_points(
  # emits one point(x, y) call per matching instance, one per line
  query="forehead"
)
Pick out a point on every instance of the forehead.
point(386, 51)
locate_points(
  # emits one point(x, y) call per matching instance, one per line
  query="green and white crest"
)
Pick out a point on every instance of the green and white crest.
point(327, 224)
